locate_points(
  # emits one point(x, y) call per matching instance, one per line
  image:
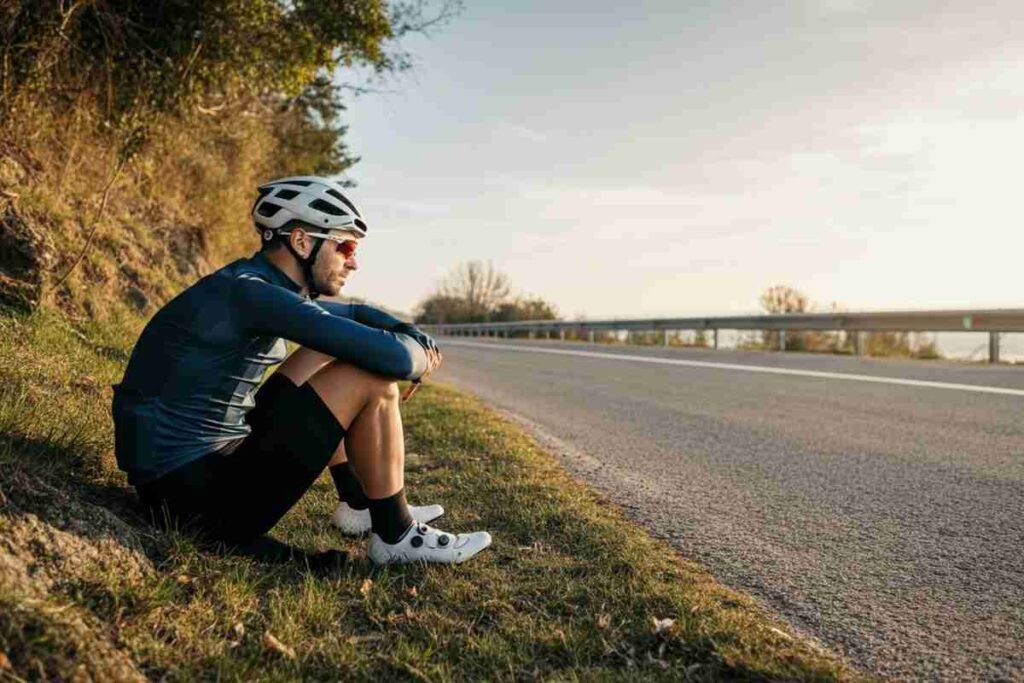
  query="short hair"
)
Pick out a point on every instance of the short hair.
point(277, 241)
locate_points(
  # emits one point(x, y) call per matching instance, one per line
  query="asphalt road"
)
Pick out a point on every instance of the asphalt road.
point(885, 520)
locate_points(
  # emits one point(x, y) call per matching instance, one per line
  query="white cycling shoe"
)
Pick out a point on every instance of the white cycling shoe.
point(427, 544)
point(357, 522)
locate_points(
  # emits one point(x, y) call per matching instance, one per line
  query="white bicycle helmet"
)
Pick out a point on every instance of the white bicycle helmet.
point(318, 203)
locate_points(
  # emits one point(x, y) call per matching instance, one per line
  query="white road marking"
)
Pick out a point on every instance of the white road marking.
point(977, 388)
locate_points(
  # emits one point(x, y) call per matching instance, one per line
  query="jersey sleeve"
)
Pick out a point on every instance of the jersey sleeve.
point(361, 313)
point(271, 310)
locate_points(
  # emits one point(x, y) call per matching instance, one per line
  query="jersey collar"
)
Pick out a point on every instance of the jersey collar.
point(273, 274)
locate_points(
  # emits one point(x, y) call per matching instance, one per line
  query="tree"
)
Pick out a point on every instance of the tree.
point(440, 309)
point(479, 286)
point(784, 299)
point(524, 308)
point(135, 61)
point(477, 292)
point(780, 299)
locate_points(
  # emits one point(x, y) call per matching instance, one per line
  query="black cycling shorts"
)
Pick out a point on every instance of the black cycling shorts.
point(241, 491)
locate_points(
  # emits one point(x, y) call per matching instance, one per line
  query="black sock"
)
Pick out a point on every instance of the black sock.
point(349, 488)
point(390, 517)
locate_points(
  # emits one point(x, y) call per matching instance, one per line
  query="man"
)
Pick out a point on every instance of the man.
point(204, 448)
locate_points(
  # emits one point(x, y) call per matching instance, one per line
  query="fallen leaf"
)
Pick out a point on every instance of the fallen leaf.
point(412, 591)
point(272, 644)
point(603, 621)
point(781, 634)
point(369, 638)
point(662, 627)
point(238, 629)
point(5, 663)
point(365, 588)
point(184, 579)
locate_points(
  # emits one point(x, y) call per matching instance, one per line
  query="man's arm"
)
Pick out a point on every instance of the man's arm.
point(361, 313)
point(274, 311)
point(374, 317)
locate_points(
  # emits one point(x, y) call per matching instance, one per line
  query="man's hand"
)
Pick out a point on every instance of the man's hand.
point(421, 337)
point(434, 360)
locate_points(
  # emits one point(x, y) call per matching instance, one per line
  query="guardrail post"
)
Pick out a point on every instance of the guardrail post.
point(590, 336)
point(531, 334)
point(715, 335)
point(858, 343)
point(993, 347)
point(629, 337)
point(664, 337)
point(561, 335)
point(782, 340)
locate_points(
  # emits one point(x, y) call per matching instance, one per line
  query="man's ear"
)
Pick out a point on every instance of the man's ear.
point(299, 241)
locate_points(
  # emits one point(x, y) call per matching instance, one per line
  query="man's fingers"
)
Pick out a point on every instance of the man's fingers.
point(410, 390)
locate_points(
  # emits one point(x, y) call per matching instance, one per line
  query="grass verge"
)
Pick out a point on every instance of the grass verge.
point(570, 590)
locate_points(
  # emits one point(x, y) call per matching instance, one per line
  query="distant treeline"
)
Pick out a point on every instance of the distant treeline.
point(476, 292)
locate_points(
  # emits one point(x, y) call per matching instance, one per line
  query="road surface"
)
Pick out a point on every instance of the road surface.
point(876, 505)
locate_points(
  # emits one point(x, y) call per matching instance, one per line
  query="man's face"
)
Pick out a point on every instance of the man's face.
point(332, 268)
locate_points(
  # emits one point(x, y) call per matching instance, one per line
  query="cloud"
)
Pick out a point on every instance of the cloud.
point(522, 132)
point(840, 6)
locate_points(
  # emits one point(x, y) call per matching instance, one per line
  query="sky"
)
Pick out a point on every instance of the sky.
point(669, 158)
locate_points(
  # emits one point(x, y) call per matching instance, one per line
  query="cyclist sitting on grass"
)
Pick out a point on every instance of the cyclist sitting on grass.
point(205, 449)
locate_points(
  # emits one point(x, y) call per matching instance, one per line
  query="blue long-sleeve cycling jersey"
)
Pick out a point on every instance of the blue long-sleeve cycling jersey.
point(195, 369)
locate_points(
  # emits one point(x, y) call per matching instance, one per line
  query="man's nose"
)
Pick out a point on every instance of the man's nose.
point(351, 263)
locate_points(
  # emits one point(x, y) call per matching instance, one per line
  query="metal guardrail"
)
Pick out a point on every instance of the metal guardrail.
point(993, 322)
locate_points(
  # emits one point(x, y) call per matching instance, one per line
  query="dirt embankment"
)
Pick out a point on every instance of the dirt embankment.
point(72, 544)
point(52, 546)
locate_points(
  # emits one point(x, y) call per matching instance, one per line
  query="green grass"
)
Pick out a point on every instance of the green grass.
point(568, 591)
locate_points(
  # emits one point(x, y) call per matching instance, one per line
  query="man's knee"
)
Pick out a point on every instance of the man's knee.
point(388, 389)
point(350, 378)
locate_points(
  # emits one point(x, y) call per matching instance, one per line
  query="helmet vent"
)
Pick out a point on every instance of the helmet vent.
point(341, 198)
point(326, 207)
point(287, 194)
point(300, 183)
point(264, 191)
point(268, 209)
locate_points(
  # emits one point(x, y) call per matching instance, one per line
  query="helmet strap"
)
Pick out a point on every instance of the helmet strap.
point(307, 263)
